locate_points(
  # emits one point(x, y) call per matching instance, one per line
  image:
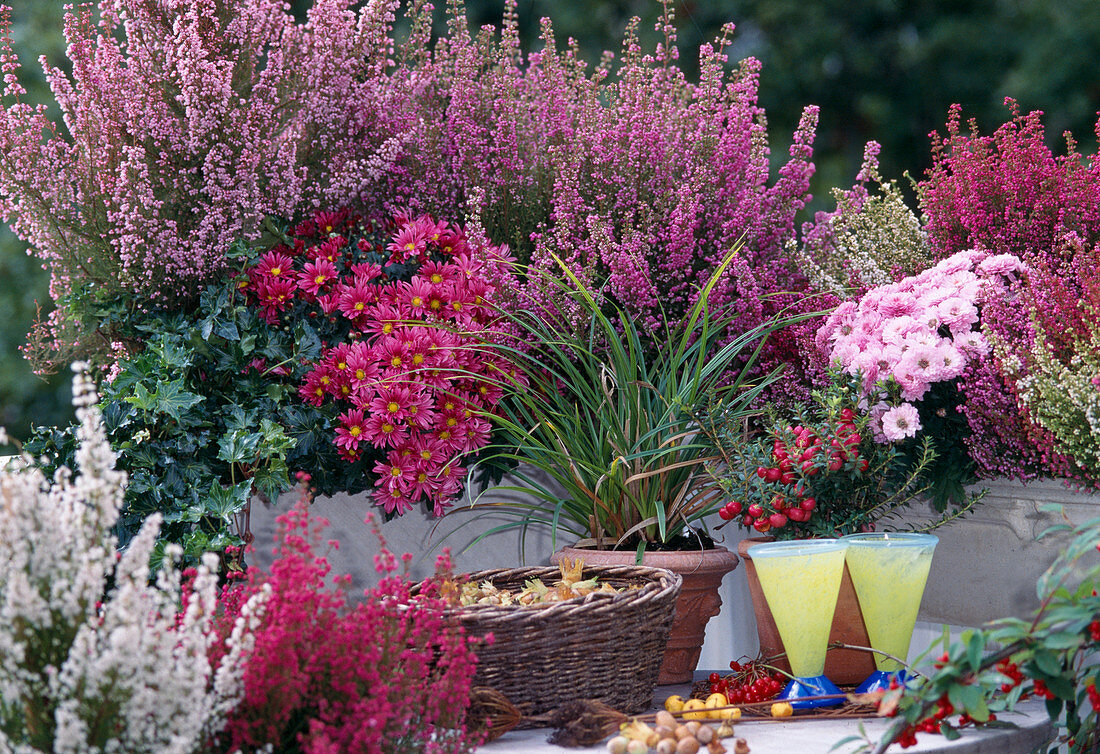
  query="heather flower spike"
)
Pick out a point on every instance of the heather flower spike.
point(82, 629)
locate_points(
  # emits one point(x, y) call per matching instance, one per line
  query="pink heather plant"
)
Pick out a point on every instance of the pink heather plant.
point(641, 180)
point(916, 337)
point(389, 674)
point(402, 366)
point(1008, 193)
point(185, 122)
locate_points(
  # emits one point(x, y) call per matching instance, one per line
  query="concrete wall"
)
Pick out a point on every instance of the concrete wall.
point(985, 567)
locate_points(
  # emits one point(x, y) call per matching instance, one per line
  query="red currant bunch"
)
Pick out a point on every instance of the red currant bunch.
point(752, 681)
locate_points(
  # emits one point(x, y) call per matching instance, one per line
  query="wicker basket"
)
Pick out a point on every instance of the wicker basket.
point(602, 646)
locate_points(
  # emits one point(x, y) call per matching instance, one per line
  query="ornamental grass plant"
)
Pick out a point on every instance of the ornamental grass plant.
point(613, 422)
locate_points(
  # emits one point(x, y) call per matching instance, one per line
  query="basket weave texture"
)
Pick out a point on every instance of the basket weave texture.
point(601, 646)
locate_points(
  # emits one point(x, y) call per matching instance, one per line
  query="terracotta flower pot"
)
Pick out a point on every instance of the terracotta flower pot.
point(699, 601)
point(842, 666)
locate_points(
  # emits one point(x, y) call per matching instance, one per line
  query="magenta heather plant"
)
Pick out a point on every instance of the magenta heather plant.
point(1008, 193)
point(185, 123)
point(387, 674)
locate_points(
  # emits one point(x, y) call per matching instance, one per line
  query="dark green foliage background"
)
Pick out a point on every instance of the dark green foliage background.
point(880, 69)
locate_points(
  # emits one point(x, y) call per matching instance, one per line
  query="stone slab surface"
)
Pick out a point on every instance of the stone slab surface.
point(819, 737)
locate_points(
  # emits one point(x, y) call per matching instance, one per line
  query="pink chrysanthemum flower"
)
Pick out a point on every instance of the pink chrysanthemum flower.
point(337, 356)
point(397, 472)
point(362, 366)
point(452, 242)
point(392, 501)
point(382, 319)
point(392, 401)
point(900, 422)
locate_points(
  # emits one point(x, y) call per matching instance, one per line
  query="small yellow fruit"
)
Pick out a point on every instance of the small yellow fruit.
point(717, 699)
point(731, 715)
point(782, 709)
point(674, 704)
point(695, 709)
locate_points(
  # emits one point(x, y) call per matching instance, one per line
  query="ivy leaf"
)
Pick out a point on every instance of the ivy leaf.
point(172, 398)
point(239, 446)
point(223, 502)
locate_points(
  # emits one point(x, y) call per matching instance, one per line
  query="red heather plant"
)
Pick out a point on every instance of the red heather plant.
point(400, 310)
point(388, 674)
point(184, 123)
point(1007, 193)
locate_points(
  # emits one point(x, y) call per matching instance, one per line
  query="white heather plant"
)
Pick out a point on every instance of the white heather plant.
point(94, 658)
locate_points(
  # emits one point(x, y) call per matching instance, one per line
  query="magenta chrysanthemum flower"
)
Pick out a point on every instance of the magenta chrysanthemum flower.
point(352, 429)
point(355, 300)
point(315, 276)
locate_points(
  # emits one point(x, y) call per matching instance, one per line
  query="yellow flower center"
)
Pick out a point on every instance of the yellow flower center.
point(410, 247)
point(392, 407)
point(387, 328)
point(355, 431)
point(451, 421)
point(360, 374)
point(445, 435)
point(341, 365)
point(437, 278)
point(395, 471)
point(359, 306)
point(418, 358)
point(387, 428)
point(395, 361)
point(276, 271)
point(417, 301)
point(319, 280)
point(426, 454)
point(436, 303)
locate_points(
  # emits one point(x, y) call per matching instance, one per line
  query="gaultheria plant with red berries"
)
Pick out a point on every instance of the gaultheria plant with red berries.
point(816, 472)
point(397, 308)
point(388, 674)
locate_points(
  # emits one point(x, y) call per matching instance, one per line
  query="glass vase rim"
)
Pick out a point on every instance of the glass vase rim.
point(892, 539)
point(796, 547)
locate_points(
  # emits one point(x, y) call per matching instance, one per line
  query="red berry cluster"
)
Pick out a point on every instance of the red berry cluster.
point(751, 681)
point(798, 454)
point(1012, 670)
point(1094, 631)
point(1094, 695)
